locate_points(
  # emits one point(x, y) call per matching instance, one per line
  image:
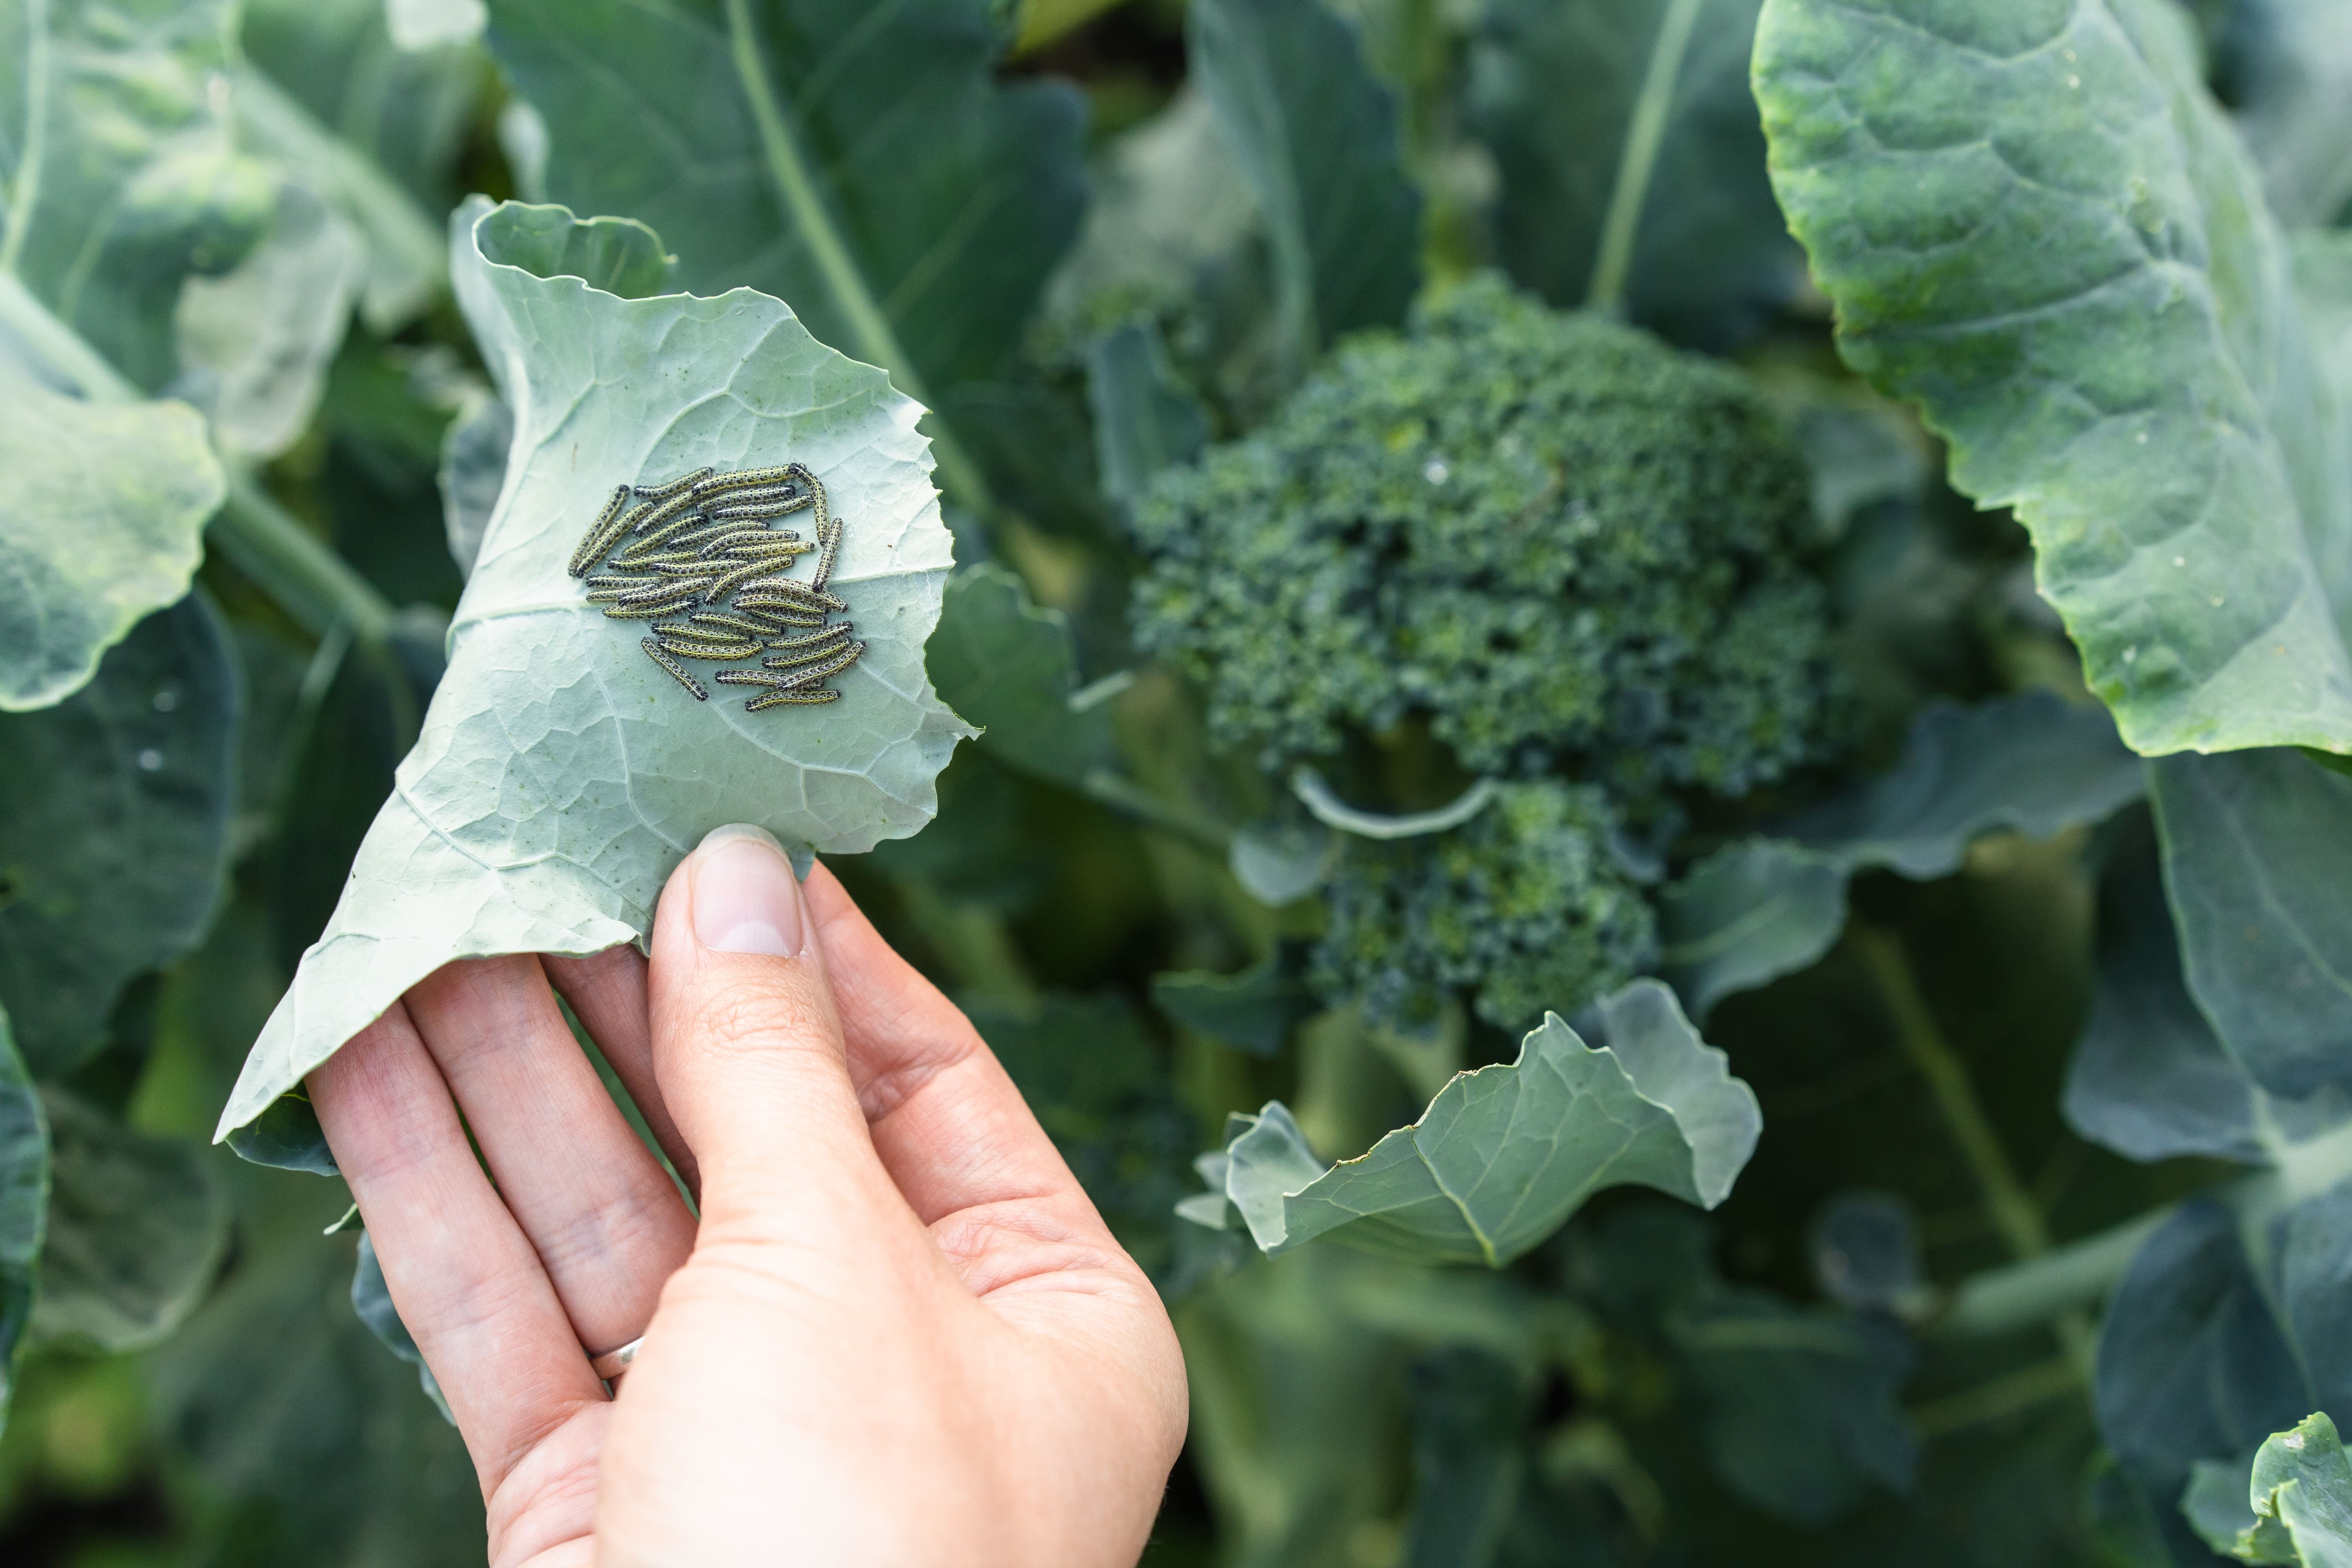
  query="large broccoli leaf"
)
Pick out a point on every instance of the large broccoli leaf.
point(115, 814)
point(2285, 67)
point(24, 1202)
point(120, 167)
point(1011, 667)
point(2257, 858)
point(1503, 1155)
point(1562, 89)
point(374, 129)
point(99, 525)
point(562, 774)
point(137, 1229)
point(858, 161)
point(2036, 224)
point(1316, 136)
point(2233, 1322)
point(2033, 763)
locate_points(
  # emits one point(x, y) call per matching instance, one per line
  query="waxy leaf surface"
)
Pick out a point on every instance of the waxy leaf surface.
point(562, 773)
point(2036, 224)
point(1503, 1155)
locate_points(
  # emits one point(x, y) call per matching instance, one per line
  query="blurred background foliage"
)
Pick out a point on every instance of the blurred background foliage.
point(1653, 1386)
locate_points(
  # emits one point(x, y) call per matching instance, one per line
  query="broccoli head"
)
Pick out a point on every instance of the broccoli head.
point(1569, 547)
point(1525, 906)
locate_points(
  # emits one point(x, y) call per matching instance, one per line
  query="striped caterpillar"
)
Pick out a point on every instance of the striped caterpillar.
point(702, 563)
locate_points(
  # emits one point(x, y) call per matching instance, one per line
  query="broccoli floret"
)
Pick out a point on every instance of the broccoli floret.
point(1524, 905)
point(1572, 548)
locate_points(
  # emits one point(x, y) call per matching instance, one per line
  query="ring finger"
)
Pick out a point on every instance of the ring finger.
point(606, 1221)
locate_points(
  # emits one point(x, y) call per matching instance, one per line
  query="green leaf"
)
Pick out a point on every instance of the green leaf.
point(99, 527)
point(277, 1392)
point(137, 1230)
point(430, 23)
point(862, 164)
point(371, 1299)
point(1011, 667)
point(2302, 1482)
point(256, 342)
point(2034, 763)
point(1144, 418)
point(1503, 1155)
point(2214, 1503)
point(1803, 1409)
point(1554, 91)
point(473, 471)
point(119, 169)
point(24, 1204)
point(2035, 224)
point(2149, 1077)
point(374, 128)
point(2257, 851)
point(2285, 69)
point(562, 774)
point(2226, 1327)
point(115, 811)
point(2031, 763)
point(1746, 915)
point(1316, 136)
point(1254, 1011)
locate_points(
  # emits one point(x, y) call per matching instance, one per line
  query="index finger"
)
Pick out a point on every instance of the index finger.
point(948, 1122)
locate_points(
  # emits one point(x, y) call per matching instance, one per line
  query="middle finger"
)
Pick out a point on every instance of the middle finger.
point(604, 1216)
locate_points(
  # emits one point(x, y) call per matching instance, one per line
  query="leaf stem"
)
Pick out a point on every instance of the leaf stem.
point(2070, 1278)
point(2015, 1213)
point(58, 348)
point(1645, 132)
point(1996, 1398)
point(295, 567)
point(1130, 799)
point(971, 941)
point(877, 340)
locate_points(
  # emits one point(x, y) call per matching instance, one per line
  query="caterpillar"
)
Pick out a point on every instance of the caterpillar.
point(685, 676)
point(601, 533)
point(700, 563)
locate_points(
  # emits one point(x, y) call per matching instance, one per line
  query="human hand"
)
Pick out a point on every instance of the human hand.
point(899, 1334)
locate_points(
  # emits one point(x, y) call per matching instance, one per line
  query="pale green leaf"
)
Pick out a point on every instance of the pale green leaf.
point(429, 24)
point(2214, 1504)
point(1144, 418)
point(256, 342)
point(2035, 224)
point(100, 525)
point(1553, 92)
point(118, 167)
point(473, 471)
point(115, 814)
point(2285, 69)
point(1746, 915)
point(2257, 856)
point(1503, 1155)
point(137, 1230)
point(1011, 667)
point(24, 1204)
point(1316, 136)
point(2033, 763)
point(562, 774)
point(375, 128)
point(2303, 1482)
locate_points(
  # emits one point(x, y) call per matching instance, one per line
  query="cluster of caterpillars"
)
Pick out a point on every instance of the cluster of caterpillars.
point(694, 541)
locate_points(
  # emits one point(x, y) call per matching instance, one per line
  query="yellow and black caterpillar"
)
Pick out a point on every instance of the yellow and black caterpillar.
point(703, 541)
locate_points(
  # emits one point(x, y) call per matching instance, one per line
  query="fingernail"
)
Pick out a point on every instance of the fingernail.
point(745, 897)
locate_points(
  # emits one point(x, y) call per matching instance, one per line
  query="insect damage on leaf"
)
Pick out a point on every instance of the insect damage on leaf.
point(704, 537)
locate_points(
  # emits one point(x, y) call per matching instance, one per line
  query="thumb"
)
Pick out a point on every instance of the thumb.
point(747, 1046)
